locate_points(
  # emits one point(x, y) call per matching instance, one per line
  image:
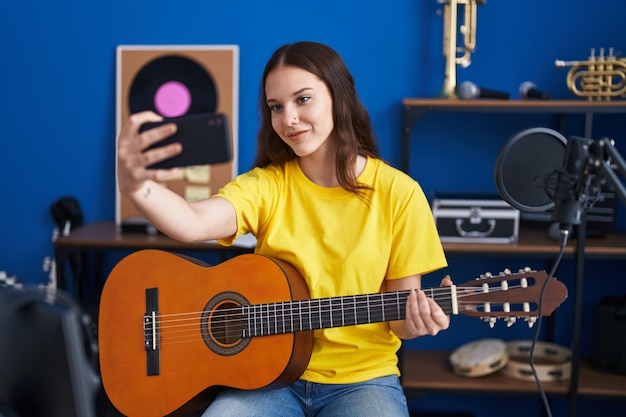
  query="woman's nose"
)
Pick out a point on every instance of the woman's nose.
point(291, 117)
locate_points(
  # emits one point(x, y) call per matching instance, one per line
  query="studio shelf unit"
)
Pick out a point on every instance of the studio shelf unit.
point(414, 109)
point(428, 371)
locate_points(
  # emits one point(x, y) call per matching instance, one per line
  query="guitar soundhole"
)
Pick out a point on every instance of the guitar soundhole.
point(223, 323)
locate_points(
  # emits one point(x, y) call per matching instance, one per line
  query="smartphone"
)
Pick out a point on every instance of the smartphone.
point(205, 138)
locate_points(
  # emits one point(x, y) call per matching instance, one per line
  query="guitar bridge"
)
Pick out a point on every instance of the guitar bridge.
point(151, 331)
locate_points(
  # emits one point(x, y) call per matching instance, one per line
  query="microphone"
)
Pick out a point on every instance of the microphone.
point(528, 90)
point(468, 90)
point(571, 192)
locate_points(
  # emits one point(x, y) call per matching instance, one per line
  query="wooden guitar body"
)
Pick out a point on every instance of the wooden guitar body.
point(192, 368)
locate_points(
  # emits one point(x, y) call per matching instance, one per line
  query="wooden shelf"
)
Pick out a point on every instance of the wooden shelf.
point(530, 106)
point(536, 242)
point(427, 371)
point(416, 108)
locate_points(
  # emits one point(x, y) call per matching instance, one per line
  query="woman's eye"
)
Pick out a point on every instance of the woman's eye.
point(303, 99)
point(275, 108)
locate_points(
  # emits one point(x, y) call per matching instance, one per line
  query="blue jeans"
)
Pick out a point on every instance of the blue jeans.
point(379, 397)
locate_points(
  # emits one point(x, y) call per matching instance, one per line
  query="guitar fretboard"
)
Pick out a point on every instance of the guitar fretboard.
point(323, 313)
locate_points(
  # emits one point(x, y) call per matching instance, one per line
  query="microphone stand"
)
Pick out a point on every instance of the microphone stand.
point(598, 160)
point(599, 151)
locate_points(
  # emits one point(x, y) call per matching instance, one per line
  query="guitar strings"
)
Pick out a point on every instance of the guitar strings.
point(183, 327)
point(371, 299)
point(322, 309)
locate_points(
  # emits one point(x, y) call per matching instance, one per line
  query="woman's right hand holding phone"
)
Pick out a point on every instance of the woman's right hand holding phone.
point(131, 158)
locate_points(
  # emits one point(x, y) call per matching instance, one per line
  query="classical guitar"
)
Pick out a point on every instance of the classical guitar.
point(173, 330)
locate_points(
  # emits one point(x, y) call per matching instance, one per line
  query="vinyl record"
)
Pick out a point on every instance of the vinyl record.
point(526, 166)
point(173, 86)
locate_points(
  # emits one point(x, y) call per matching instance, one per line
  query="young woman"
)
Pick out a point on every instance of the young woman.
point(320, 198)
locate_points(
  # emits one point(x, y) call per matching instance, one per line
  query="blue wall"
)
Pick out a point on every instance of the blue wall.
point(58, 91)
point(57, 102)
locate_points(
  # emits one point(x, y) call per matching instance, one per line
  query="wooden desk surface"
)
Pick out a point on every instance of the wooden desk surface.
point(531, 241)
point(106, 235)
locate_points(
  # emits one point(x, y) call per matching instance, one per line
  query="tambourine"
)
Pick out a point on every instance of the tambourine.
point(552, 362)
point(478, 358)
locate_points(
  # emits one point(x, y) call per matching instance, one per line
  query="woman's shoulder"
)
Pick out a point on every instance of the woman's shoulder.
point(386, 173)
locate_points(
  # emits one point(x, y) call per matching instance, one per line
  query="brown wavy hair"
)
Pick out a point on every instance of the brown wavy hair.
point(352, 126)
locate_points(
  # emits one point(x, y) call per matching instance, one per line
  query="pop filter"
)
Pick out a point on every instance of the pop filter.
point(526, 168)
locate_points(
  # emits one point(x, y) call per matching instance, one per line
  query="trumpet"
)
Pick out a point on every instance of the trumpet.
point(457, 55)
point(598, 78)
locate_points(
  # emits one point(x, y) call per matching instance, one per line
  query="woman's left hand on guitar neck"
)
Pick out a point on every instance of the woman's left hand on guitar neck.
point(423, 314)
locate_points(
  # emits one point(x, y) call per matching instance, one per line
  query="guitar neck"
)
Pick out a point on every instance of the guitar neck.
point(323, 313)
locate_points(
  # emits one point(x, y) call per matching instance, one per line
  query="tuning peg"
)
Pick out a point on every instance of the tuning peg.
point(510, 321)
point(491, 321)
point(531, 321)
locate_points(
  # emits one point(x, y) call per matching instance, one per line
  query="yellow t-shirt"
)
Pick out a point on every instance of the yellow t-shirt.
point(342, 246)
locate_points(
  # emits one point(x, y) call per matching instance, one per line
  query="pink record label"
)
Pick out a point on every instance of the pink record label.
point(172, 99)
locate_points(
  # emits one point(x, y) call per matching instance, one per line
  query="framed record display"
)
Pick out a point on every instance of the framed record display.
point(187, 82)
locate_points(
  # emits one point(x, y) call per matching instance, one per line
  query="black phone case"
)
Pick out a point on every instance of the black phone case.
point(205, 138)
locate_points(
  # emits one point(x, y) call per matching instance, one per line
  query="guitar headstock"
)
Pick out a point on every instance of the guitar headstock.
point(509, 296)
